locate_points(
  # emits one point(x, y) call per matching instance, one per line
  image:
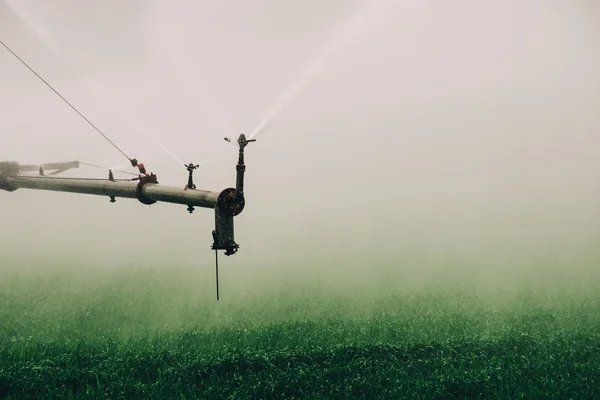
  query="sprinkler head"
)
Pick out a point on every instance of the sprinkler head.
point(242, 141)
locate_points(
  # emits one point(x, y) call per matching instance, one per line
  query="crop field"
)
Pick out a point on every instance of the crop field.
point(158, 333)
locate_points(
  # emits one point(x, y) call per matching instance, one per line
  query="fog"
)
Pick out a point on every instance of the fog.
point(409, 138)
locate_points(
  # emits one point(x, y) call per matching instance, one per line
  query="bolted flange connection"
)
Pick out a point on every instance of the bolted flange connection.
point(231, 202)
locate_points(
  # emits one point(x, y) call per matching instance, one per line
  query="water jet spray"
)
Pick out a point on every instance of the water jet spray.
point(339, 38)
point(89, 83)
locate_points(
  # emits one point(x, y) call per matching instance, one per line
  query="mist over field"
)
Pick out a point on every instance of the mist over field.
point(428, 171)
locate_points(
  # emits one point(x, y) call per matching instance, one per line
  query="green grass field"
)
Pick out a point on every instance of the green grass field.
point(157, 333)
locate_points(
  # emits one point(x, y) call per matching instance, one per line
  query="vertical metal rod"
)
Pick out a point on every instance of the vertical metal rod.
point(217, 271)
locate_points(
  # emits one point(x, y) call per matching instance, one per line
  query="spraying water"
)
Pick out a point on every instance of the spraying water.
point(177, 70)
point(88, 82)
point(173, 56)
point(111, 100)
point(339, 38)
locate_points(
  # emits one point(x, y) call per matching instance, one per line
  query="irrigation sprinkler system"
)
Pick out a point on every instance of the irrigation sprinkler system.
point(227, 204)
point(144, 186)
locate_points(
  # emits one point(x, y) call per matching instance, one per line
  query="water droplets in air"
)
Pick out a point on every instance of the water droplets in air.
point(339, 38)
point(88, 82)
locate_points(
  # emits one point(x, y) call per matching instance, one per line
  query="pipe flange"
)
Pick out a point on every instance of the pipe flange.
point(4, 185)
point(139, 193)
point(231, 202)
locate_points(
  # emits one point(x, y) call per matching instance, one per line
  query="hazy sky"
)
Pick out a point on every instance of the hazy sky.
point(426, 131)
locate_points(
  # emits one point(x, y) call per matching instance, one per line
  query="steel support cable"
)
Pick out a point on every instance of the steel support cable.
point(104, 168)
point(65, 100)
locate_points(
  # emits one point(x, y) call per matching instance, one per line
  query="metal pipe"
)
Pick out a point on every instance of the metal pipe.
point(128, 189)
point(50, 166)
point(241, 167)
point(194, 197)
point(82, 186)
